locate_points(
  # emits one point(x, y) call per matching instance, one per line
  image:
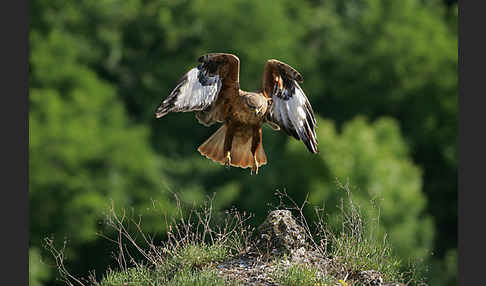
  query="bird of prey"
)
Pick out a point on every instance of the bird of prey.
point(212, 90)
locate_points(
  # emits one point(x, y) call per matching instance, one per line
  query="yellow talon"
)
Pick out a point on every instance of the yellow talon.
point(255, 166)
point(228, 159)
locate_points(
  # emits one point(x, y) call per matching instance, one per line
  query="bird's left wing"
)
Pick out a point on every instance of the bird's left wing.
point(290, 108)
point(201, 86)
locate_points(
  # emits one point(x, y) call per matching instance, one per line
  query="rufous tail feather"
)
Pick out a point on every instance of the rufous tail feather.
point(241, 156)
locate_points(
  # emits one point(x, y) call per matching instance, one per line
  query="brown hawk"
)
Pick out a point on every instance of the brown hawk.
point(212, 89)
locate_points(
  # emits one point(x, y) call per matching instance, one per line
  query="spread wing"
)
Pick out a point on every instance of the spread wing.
point(290, 108)
point(202, 86)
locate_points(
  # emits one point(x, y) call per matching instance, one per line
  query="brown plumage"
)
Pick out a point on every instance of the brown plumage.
point(212, 90)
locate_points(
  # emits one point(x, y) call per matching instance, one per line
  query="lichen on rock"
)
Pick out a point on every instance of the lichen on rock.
point(280, 233)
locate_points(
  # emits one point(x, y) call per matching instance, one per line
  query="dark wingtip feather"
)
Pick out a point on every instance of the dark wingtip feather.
point(165, 106)
point(299, 77)
point(162, 110)
point(309, 139)
point(311, 145)
point(159, 114)
point(202, 59)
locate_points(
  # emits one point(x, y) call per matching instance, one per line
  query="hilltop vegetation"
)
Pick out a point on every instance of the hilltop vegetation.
point(205, 248)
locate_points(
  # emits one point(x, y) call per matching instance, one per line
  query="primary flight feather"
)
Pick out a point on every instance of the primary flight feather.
point(212, 90)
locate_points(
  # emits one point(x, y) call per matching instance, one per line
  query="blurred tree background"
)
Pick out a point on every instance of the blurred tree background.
point(381, 76)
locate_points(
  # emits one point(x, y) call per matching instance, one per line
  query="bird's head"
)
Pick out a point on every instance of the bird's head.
point(257, 103)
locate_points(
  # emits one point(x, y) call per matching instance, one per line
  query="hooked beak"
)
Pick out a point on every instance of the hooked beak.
point(257, 111)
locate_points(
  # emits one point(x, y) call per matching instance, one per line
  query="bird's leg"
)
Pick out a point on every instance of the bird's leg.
point(256, 141)
point(254, 169)
point(228, 141)
point(228, 159)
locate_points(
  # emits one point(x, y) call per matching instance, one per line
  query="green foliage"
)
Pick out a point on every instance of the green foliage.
point(385, 176)
point(83, 150)
point(397, 59)
point(446, 269)
point(38, 270)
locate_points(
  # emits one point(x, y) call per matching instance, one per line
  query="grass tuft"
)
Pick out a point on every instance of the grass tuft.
point(301, 275)
point(133, 276)
point(198, 256)
point(199, 278)
point(366, 255)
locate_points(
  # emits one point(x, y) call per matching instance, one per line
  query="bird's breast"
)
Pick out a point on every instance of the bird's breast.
point(242, 113)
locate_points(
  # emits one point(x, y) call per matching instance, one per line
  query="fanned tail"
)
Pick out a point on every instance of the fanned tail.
point(241, 156)
point(213, 147)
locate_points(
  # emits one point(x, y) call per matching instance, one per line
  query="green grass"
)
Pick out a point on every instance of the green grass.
point(366, 255)
point(301, 275)
point(190, 257)
point(199, 255)
point(185, 277)
point(133, 276)
point(199, 278)
point(180, 268)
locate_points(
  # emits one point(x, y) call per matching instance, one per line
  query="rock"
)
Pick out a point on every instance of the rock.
point(280, 233)
point(369, 278)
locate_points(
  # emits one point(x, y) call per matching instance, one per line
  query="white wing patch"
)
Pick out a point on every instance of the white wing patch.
point(193, 94)
point(290, 112)
point(295, 116)
point(196, 91)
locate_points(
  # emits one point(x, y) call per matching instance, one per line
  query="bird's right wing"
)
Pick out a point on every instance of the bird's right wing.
point(201, 87)
point(290, 108)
